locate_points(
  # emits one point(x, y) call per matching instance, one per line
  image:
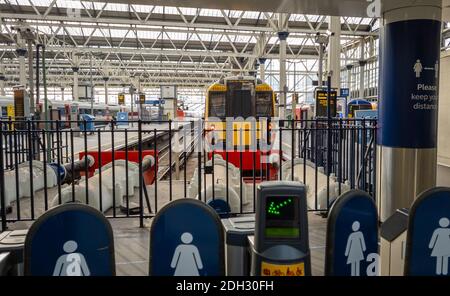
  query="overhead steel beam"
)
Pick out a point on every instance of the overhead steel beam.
point(351, 8)
point(157, 52)
point(149, 68)
point(177, 24)
point(317, 7)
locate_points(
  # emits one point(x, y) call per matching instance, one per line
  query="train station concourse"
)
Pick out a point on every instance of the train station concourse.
point(225, 138)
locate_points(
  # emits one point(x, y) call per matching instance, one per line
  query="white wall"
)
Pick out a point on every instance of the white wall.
point(443, 173)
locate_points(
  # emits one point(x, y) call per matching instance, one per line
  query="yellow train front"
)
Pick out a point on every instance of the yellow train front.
point(243, 100)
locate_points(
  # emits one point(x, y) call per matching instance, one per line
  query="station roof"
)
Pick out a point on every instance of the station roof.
point(160, 44)
point(187, 46)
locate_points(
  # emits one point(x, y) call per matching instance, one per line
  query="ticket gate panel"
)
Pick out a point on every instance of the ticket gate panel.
point(428, 245)
point(187, 239)
point(71, 239)
point(280, 245)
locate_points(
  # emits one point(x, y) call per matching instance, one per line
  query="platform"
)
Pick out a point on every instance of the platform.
point(119, 136)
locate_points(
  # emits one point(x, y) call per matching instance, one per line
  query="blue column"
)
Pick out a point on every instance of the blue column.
point(409, 74)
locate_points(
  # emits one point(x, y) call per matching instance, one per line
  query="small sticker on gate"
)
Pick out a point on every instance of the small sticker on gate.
point(269, 269)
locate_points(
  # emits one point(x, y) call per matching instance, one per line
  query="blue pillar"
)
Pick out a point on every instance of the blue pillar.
point(409, 74)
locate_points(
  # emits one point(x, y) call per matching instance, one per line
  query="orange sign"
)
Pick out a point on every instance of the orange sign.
point(269, 269)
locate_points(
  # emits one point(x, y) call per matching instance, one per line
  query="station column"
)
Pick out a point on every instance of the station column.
point(334, 52)
point(21, 52)
point(283, 85)
point(362, 64)
point(262, 69)
point(409, 74)
point(2, 80)
point(349, 68)
point(105, 79)
point(75, 83)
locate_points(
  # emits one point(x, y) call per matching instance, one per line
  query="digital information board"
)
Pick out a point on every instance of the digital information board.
point(19, 102)
point(322, 103)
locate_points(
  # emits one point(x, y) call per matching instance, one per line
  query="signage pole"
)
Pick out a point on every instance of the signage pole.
point(46, 107)
point(92, 90)
point(132, 99)
point(328, 132)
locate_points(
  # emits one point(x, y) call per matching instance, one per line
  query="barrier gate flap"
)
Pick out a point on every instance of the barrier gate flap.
point(352, 236)
point(187, 239)
point(70, 240)
point(428, 238)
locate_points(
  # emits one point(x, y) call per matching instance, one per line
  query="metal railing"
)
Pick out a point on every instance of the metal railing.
point(330, 157)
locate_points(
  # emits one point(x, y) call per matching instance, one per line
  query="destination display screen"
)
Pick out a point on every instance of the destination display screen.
point(282, 217)
point(19, 104)
point(322, 103)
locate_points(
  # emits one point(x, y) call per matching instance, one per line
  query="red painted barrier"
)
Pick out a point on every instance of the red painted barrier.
point(180, 113)
point(133, 156)
point(248, 163)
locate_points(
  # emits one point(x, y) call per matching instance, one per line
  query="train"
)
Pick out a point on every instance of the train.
point(61, 109)
point(358, 104)
point(239, 107)
point(238, 97)
point(100, 111)
point(5, 102)
point(306, 111)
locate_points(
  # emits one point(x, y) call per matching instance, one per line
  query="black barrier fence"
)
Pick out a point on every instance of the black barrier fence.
point(136, 167)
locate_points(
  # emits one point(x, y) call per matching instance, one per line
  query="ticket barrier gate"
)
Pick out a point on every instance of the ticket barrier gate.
point(393, 243)
point(238, 257)
point(187, 239)
point(11, 252)
point(71, 229)
point(427, 240)
point(280, 246)
point(72, 239)
point(352, 236)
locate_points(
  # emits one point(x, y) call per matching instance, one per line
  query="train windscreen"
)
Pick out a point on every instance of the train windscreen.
point(216, 104)
point(264, 104)
point(241, 104)
point(240, 98)
point(353, 108)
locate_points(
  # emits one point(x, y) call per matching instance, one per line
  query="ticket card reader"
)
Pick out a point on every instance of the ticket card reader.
point(280, 246)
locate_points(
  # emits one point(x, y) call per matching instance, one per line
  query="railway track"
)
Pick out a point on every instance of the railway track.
point(164, 156)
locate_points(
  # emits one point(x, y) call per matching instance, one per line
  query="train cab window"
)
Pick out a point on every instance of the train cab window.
point(4, 111)
point(241, 104)
point(217, 105)
point(240, 99)
point(264, 104)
